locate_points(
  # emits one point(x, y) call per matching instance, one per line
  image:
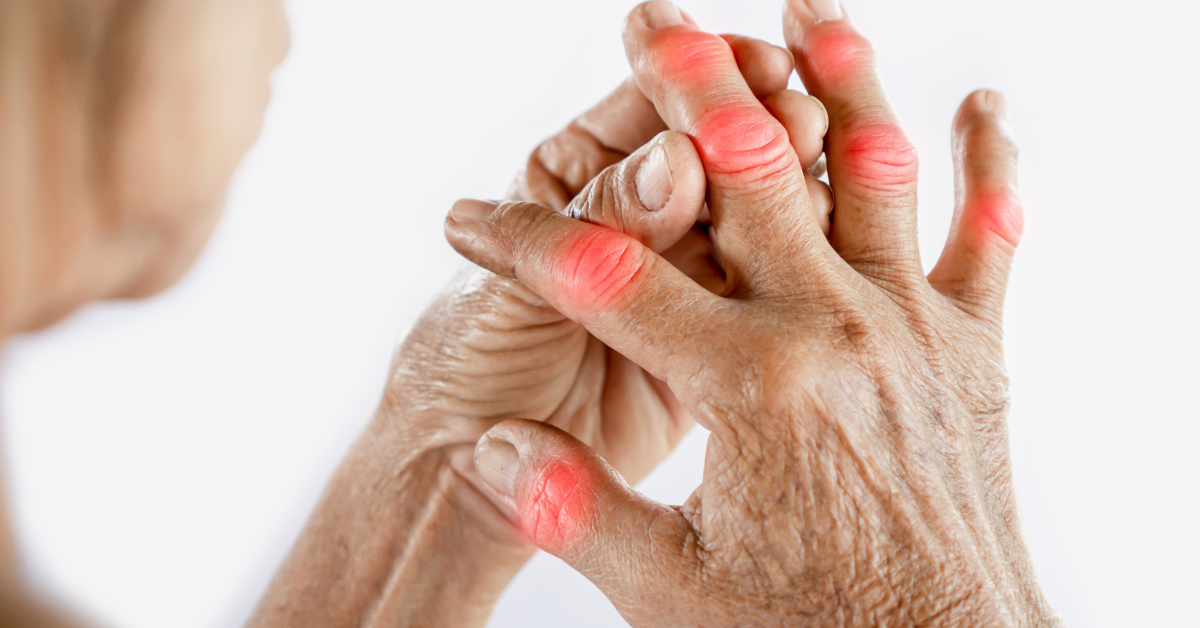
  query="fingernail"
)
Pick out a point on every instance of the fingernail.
point(497, 462)
point(468, 211)
point(996, 102)
point(824, 112)
point(654, 179)
point(661, 14)
point(825, 9)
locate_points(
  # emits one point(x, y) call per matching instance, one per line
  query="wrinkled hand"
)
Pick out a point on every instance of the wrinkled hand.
point(489, 349)
point(858, 471)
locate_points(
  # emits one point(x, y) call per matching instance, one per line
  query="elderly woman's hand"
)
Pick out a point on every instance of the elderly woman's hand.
point(489, 349)
point(404, 535)
point(858, 470)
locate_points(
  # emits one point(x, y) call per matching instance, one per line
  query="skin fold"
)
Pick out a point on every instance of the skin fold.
point(857, 473)
point(489, 349)
point(670, 257)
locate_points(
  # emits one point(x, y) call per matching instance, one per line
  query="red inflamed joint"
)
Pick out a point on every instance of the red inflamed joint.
point(692, 58)
point(595, 269)
point(558, 506)
point(836, 55)
point(994, 218)
point(742, 139)
point(878, 155)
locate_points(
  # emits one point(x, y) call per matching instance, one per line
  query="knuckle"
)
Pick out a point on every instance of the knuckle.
point(558, 505)
point(597, 269)
point(880, 156)
point(838, 54)
point(691, 55)
point(573, 157)
point(743, 140)
point(997, 216)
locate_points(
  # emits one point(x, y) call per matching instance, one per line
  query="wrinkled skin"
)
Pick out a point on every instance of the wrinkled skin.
point(489, 349)
point(858, 471)
point(404, 534)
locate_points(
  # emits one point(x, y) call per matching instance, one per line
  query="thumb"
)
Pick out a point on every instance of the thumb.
point(571, 503)
point(655, 195)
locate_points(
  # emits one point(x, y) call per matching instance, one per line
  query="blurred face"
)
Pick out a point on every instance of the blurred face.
point(191, 105)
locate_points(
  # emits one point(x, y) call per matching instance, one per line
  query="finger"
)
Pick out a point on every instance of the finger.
point(560, 167)
point(757, 195)
point(655, 195)
point(822, 202)
point(805, 120)
point(572, 504)
point(872, 165)
point(622, 292)
point(973, 268)
point(766, 68)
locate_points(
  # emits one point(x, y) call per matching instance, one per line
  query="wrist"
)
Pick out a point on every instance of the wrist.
point(399, 538)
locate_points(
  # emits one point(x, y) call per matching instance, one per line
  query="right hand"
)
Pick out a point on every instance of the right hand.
point(857, 473)
point(490, 349)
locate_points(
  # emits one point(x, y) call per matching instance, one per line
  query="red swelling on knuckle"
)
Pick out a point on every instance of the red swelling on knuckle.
point(836, 54)
point(595, 269)
point(558, 505)
point(879, 155)
point(995, 218)
point(743, 139)
point(692, 56)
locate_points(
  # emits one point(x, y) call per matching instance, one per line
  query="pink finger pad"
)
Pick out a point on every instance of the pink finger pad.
point(742, 139)
point(595, 269)
point(557, 507)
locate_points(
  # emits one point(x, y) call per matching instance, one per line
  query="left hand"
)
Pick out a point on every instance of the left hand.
point(490, 350)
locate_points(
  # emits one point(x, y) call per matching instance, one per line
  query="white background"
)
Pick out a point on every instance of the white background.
point(163, 455)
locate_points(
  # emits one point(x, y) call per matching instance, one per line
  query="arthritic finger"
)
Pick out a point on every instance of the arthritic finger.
point(973, 268)
point(872, 165)
point(765, 67)
point(655, 195)
point(757, 196)
point(625, 294)
point(560, 167)
point(571, 503)
point(806, 121)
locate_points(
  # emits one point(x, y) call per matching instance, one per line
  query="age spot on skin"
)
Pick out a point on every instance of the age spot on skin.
point(595, 269)
point(558, 505)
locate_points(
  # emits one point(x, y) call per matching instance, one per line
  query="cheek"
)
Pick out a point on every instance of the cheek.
point(559, 505)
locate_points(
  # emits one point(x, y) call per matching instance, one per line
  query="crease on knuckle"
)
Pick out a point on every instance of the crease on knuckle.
point(995, 217)
point(598, 269)
point(837, 54)
point(692, 55)
point(558, 506)
point(742, 140)
point(880, 156)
